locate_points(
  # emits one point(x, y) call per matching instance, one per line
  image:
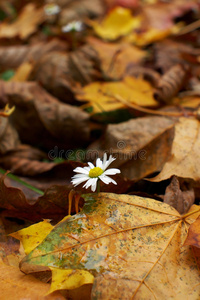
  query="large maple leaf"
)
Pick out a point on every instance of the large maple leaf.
point(131, 245)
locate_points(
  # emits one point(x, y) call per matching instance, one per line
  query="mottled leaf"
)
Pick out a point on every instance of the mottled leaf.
point(128, 244)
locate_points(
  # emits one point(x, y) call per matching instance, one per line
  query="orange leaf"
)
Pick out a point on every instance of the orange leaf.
point(26, 23)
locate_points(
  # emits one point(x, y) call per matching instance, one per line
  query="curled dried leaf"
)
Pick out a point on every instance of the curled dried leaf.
point(171, 83)
point(59, 72)
point(50, 122)
point(14, 56)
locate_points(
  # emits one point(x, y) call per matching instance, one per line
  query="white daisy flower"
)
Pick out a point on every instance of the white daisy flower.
point(73, 26)
point(92, 174)
point(51, 9)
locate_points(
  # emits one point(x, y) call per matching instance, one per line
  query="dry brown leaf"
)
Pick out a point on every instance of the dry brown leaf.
point(26, 23)
point(171, 83)
point(169, 53)
point(180, 199)
point(9, 138)
point(59, 72)
point(76, 10)
point(14, 56)
point(50, 122)
point(185, 159)
point(141, 146)
point(115, 58)
point(54, 204)
point(162, 15)
point(193, 238)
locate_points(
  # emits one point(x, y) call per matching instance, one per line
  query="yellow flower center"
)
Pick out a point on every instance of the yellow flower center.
point(95, 172)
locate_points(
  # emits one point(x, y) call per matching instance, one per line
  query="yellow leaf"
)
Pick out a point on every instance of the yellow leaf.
point(23, 72)
point(151, 35)
point(104, 96)
point(33, 235)
point(117, 23)
point(69, 279)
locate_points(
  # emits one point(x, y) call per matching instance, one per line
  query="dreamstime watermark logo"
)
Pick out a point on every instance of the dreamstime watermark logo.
point(121, 152)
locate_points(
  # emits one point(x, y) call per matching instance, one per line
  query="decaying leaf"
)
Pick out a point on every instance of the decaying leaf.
point(54, 204)
point(171, 83)
point(79, 10)
point(105, 96)
point(185, 158)
point(141, 146)
point(49, 121)
point(116, 58)
point(117, 23)
point(64, 70)
point(129, 244)
point(180, 199)
point(14, 56)
point(15, 284)
point(193, 238)
point(9, 138)
point(26, 23)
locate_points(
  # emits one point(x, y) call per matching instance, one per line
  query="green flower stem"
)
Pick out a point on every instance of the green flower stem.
point(98, 186)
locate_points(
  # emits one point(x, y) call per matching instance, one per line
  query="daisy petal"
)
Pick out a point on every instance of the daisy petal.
point(90, 182)
point(104, 161)
point(99, 163)
point(112, 171)
point(104, 179)
point(94, 186)
point(107, 179)
point(81, 170)
point(77, 181)
point(91, 165)
point(108, 162)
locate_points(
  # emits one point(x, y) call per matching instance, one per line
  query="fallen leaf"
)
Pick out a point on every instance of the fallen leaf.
point(131, 245)
point(116, 57)
point(139, 146)
point(23, 72)
point(171, 83)
point(193, 237)
point(180, 199)
point(70, 279)
point(79, 10)
point(16, 285)
point(9, 138)
point(50, 122)
point(170, 52)
point(185, 157)
point(117, 23)
point(65, 70)
point(104, 96)
point(14, 56)
point(32, 236)
point(162, 15)
point(54, 204)
point(26, 23)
